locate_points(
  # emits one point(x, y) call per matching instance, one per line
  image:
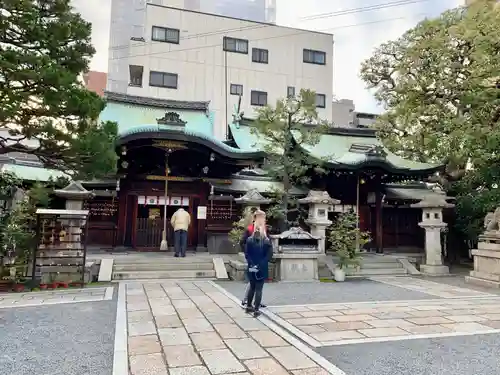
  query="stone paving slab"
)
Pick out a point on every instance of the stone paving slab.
point(192, 328)
point(460, 355)
point(12, 300)
point(352, 323)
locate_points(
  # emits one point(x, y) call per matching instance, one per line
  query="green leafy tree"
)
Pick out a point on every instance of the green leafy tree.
point(44, 48)
point(345, 239)
point(292, 125)
point(439, 83)
point(440, 86)
point(8, 184)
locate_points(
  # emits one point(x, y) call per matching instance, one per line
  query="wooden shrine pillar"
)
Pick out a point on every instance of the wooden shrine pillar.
point(202, 223)
point(379, 234)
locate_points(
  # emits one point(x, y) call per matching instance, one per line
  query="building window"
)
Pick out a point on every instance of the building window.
point(235, 45)
point(290, 92)
point(260, 55)
point(258, 98)
point(314, 57)
point(320, 101)
point(135, 72)
point(236, 89)
point(161, 79)
point(164, 34)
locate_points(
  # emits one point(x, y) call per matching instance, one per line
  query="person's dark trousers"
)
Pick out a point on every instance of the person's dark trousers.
point(180, 242)
point(255, 290)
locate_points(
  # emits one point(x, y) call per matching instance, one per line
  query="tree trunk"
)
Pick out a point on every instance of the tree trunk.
point(286, 173)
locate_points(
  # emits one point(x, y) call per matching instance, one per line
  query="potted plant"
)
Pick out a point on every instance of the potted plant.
point(346, 239)
point(53, 283)
point(236, 233)
point(63, 284)
point(19, 284)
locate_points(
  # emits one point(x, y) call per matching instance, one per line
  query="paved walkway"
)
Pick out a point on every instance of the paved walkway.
point(458, 311)
point(194, 328)
point(354, 323)
point(90, 294)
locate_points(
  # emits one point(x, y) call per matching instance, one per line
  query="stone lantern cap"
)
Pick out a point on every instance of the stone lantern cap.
point(318, 197)
point(74, 191)
point(434, 200)
point(253, 197)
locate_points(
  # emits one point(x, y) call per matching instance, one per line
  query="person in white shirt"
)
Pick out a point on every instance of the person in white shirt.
point(181, 220)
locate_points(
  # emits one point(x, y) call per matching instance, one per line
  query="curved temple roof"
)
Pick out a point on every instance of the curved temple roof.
point(141, 118)
point(342, 149)
point(182, 134)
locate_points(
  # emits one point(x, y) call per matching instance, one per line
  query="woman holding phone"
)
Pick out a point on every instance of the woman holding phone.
point(258, 252)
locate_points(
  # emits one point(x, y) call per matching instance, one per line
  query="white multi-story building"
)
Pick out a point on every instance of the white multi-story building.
point(253, 10)
point(344, 115)
point(187, 55)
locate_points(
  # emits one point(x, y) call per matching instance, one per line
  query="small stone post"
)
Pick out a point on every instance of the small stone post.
point(320, 203)
point(432, 221)
point(74, 194)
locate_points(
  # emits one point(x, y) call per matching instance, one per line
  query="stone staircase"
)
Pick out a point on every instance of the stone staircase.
point(372, 265)
point(163, 267)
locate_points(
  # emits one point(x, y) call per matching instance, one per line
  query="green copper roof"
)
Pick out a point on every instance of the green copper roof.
point(152, 128)
point(413, 191)
point(138, 117)
point(28, 173)
point(246, 139)
point(341, 148)
point(130, 116)
point(242, 184)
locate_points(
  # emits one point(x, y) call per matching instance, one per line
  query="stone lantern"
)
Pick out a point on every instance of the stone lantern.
point(252, 199)
point(320, 203)
point(74, 194)
point(432, 221)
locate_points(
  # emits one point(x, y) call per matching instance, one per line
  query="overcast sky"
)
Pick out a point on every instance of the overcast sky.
point(355, 34)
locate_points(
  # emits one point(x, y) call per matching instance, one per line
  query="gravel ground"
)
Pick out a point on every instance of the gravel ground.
point(291, 293)
point(461, 355)
point(64, 339)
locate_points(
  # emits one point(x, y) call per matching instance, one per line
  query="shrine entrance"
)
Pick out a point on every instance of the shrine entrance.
point(149, 221)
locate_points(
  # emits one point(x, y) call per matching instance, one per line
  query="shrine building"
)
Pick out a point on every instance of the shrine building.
point(167, 144)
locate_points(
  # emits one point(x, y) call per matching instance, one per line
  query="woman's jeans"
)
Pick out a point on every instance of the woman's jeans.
point(255, 290)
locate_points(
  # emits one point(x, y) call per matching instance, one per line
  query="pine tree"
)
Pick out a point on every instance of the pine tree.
point(286, 129)
point(44, 49)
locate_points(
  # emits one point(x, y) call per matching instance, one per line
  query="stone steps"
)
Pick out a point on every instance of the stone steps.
point(164, 266)
point(371, 265)
point(367, 272)
point(170, 274)
point(381, 265)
